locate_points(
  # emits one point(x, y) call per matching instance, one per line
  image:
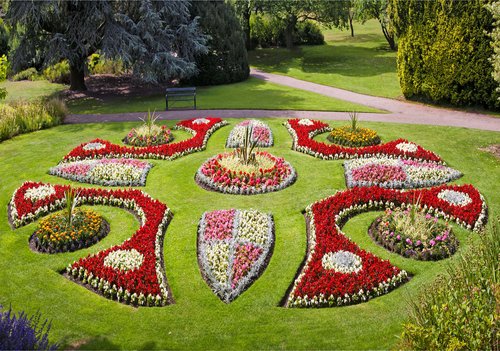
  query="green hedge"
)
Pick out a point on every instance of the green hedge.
point(444, 51)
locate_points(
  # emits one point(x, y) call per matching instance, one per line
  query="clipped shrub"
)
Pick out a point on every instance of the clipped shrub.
point(20, 332)
point(23, 117)
point(444, 51)
point(458, 311)
point(28, 74)
point(58, 73)
point(226, 60)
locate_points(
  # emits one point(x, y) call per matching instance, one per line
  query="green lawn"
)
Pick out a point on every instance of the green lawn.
point(362, 64)
point(28, 90)
point(250, 94)
point(199, 320)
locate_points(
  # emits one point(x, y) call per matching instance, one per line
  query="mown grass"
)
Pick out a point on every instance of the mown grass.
point(250, 94)
point(30, 90)
point(362, 63)
point(198, 319)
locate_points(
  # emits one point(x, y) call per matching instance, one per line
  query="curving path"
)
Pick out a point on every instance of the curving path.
point(397, 111)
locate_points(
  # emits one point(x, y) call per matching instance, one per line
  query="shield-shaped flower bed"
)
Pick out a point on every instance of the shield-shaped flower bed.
point(260, 133)
point(337, 272)
point(226, 173)
point(397, 173)
point(234, 248)
point(108, 172)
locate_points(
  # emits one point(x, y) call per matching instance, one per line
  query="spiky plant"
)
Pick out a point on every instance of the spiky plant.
point(353, 117)
point(246, 153)
point(71, 198)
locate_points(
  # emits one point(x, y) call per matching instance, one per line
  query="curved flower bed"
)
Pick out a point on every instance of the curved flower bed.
point(397, 173)
point(345, 136)
point(54, 235)
point(426, 239)
point(234, 247)
point(341, 283)
point(304, 130)
point(142, 136)
point(201, 128)
point(108, 172)
point(144, 284)
point(224, 174)
point(261, 133)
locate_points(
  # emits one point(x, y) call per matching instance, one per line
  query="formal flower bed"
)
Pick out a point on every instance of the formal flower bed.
point(304, 130)
point(226, 174)
point(108, 172)
point(397, 173)
point(330, 277)
point(358, 137)
point(145, 136)
point(413, 234)
point(201, 128)
point(261, 134)
point(55, 234)
point(117, 273)
point(234, 247)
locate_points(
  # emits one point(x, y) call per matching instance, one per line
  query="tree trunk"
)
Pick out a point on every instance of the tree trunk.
point(289, 30)
point(350, 25)
point(77, 77)
point(389, 37)
point(246, 30)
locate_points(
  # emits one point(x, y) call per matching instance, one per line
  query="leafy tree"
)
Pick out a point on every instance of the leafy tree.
point(330, 13)
point(244, 10)
point(157, 39)
point(226, 60)
point(377, 9)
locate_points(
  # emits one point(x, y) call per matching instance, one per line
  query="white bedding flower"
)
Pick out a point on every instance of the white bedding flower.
point(407, 147)
point(254, 227)
point(342, 262)
point(456, 198)
point(218, 259)
point(39, 193)
point(94, 146)
point(305, 122)
point(201, 121)
point(124, 260)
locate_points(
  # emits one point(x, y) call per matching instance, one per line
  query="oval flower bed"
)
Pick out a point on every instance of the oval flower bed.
point(413, 234)
point(226, 174)
point(397, 173)
point(108, 172)
point(55, 235)
point(261, 134)
point(234, 247)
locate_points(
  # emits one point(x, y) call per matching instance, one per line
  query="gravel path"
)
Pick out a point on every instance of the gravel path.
point(397, 111)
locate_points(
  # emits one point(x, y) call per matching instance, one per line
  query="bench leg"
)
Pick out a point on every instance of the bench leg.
point(195, 102)
point(166, 102)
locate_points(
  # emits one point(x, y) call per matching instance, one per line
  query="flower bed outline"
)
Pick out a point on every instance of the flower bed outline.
point(403, 166)
point(234, 140)
point(225, 292)
point(59, 171)
point(104, 149)
point(148, 284)
point(303, 132)
point(334, 211)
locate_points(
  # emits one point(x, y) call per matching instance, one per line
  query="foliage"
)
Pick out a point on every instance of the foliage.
point(447, 61)
point(495, 38)
point(157, 39)
point(4, 38)
point(58, 73)
point(27, 74)
point(71, 200)
point(23, 117)
point(226, 60)
point(3, 93)
point(459, 310)
point(98, 64)
point(4, 66)
point(20, 332)
point(378, 9)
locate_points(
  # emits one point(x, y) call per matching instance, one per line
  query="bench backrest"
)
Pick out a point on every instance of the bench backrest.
point(174, 91)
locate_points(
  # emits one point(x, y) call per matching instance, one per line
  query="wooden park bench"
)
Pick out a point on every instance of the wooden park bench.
point(180, 94)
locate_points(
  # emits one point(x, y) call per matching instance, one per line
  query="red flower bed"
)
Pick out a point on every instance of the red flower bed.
point(145, 285)
point(318, 286)
point(303, 134)
point(201, 132)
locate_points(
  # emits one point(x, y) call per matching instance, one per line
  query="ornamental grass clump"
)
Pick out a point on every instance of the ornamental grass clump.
point(413, 234)
point(353, 135)
point(459, 311)
point(149, 133)
point(20, 332)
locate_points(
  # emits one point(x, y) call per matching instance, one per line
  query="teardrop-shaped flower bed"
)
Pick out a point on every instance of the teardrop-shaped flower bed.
point(261, 134)
point(234, 247)
point(397, 173)
point(226, 174)
point(108, 172)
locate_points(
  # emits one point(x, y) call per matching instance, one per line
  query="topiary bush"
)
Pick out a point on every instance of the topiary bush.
point(444, 51)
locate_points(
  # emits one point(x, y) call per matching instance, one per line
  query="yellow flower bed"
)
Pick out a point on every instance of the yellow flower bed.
point(345, 136)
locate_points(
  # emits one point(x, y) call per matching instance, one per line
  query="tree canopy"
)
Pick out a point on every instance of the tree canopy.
point(157, 39)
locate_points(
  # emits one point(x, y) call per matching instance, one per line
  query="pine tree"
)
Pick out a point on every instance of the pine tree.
point(157, 39)
point(226, 60)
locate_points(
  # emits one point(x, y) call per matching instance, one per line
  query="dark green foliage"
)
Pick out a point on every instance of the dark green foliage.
point(458, 311)
point(226, 60)
point(444, 51)
point(495, 37)
point(4, 39)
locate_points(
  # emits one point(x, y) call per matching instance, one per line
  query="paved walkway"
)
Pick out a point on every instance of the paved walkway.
point(397, 111)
